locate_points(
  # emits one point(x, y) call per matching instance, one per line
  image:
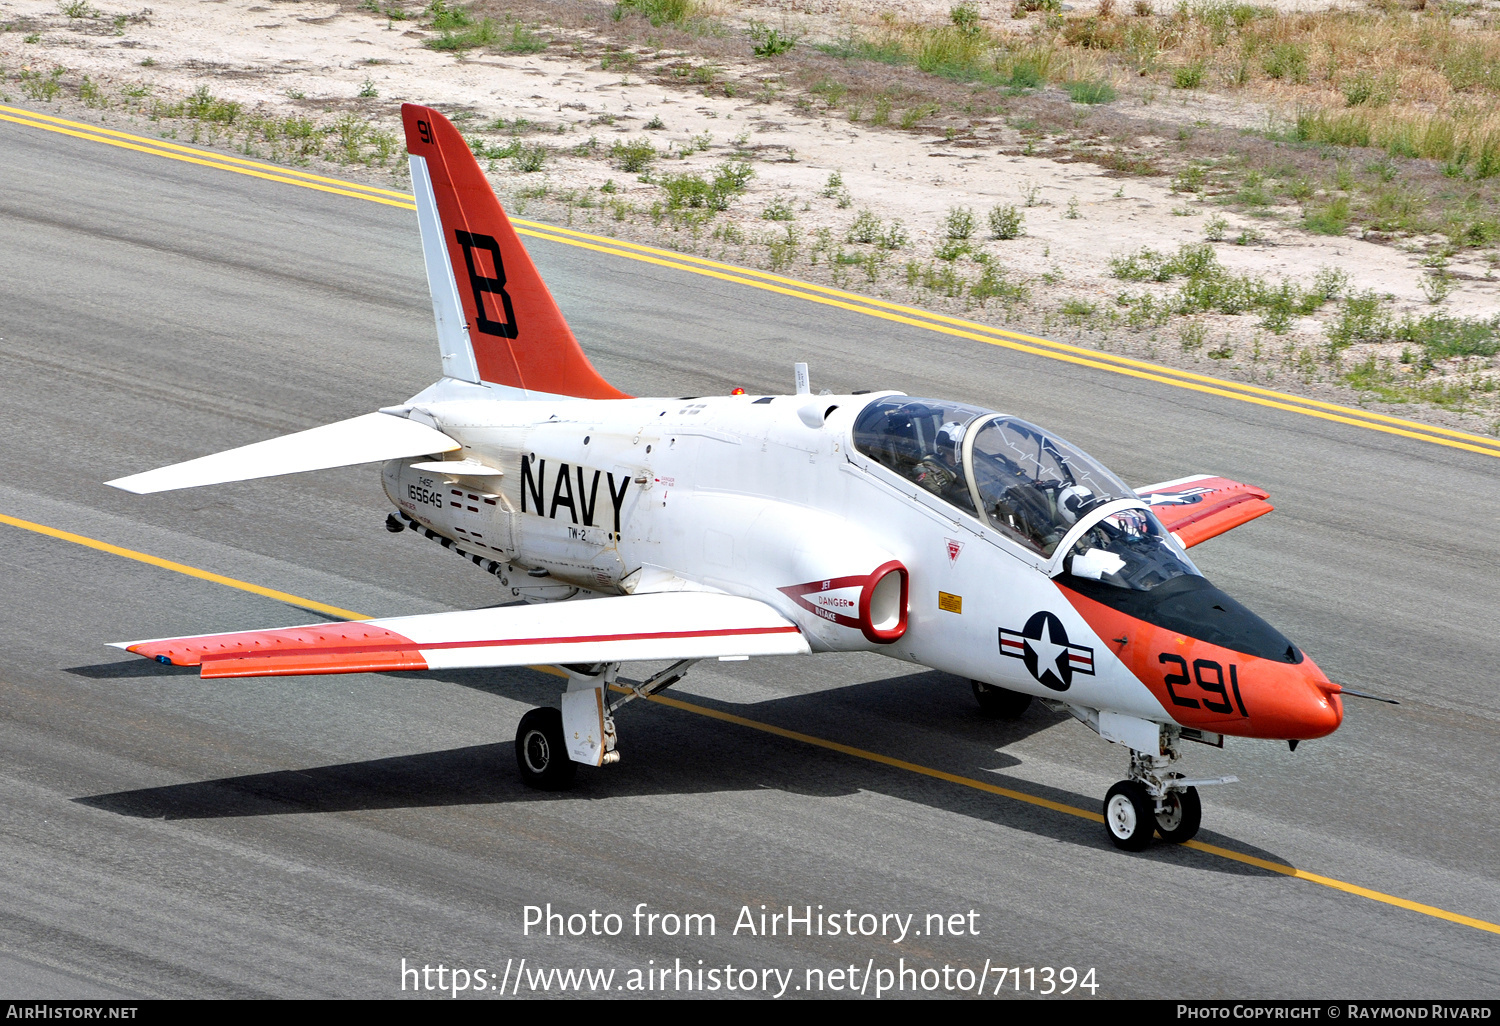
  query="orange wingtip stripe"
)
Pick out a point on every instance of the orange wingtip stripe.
point(337, 640)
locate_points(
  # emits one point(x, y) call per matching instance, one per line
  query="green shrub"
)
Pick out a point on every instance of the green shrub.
point(993, 283)
point(1190, 179)
point(41, 87)
point(459, 31)
point(1286, 61)
point(90, 93)
point(778, 209)
point(1006, 222)
point(351, 132)
point(1025, 73)
point(658, 12)
point(1076, 309)
point(959, 223)
point(446, 18)
point(484, 33)
point(865, 227)
point(1332, 218)
point(1090, 91)
point(769, 42)
point(633, 156)
point(1361, 318)
point(894, 236)
point(203, 106)
point(952, 249)
point(1188, 77)
point(965, 18)
point(529, 159)
point(1443, 336)
point(692, 190)
point(1329, 283)
point(523, 40)
point(1475, 233)
point(1278, 305)
point(732, 176)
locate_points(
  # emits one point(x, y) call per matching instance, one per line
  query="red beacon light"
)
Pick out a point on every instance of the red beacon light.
point(738, 391)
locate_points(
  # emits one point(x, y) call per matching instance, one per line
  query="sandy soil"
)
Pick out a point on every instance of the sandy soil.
point(309, 57)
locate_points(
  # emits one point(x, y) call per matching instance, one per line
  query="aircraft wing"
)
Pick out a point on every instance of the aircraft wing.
point(1201, 507)
point(372, 438)
point(680, 625)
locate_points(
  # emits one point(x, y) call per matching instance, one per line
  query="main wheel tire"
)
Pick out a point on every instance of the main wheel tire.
point(1129, 815)
point(1180, 817)
point(998, 702)
point(542, 751)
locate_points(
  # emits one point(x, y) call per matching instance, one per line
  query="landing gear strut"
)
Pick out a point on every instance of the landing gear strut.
point(1155, 800)
point(543, 754)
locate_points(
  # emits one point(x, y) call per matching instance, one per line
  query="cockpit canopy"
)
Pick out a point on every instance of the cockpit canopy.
point(1030, 486)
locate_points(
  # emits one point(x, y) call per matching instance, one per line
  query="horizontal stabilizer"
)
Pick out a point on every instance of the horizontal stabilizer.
point(633, 627)
point(372, 438)
point(1201, 507)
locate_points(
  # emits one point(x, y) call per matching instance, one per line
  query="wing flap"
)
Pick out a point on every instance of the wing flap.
point(1201, 507)
point(623, 629)
point(372, 438)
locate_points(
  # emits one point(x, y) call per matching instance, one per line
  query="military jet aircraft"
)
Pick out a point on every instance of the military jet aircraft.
point(727, 527)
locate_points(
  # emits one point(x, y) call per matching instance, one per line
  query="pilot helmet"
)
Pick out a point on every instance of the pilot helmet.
point(950, 440)
point(1072, 501)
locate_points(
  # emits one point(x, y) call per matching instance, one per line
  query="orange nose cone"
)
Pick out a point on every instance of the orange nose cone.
point(1319, 715)
point(1323, 710)
point(1214, 688)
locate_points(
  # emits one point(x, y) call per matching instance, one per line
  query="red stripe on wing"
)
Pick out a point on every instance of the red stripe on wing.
point(357, 647)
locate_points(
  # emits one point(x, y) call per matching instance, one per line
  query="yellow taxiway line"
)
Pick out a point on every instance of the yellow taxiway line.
point(795, 288)
point(181, 568)
point(809, 739)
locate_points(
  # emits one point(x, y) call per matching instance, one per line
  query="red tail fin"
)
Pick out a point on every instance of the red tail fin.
point(517, 333)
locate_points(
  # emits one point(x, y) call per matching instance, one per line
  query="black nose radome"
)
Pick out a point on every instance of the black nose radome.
point(1189, 605)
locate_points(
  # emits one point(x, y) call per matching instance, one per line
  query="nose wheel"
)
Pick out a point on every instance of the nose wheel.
point(1180, 816)
point(1129, 815)
point(1155, 800)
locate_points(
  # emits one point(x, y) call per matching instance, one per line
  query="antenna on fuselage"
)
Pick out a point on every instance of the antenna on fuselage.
point(804, 386)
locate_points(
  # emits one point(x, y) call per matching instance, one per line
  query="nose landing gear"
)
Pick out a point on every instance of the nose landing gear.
point(1155, 800)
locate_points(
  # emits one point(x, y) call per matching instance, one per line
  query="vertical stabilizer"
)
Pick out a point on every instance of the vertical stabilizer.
point(496, 320)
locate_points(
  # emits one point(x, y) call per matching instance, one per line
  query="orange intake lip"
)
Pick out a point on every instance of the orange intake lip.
point(1210, 687)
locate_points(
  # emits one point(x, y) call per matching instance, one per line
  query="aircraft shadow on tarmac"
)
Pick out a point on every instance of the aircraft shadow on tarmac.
point(926, 718)
point(135, 668)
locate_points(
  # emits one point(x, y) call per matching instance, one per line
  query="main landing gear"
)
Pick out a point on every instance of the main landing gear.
point(551, 743)
point(1154, 799)
point(542, 751)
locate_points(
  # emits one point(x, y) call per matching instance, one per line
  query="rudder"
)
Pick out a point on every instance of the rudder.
point(496, 320)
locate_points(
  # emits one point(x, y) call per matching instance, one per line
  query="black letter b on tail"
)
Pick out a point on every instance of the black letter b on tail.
point(479, 284)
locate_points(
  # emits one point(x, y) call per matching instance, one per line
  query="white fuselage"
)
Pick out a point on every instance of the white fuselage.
point(741, 495)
